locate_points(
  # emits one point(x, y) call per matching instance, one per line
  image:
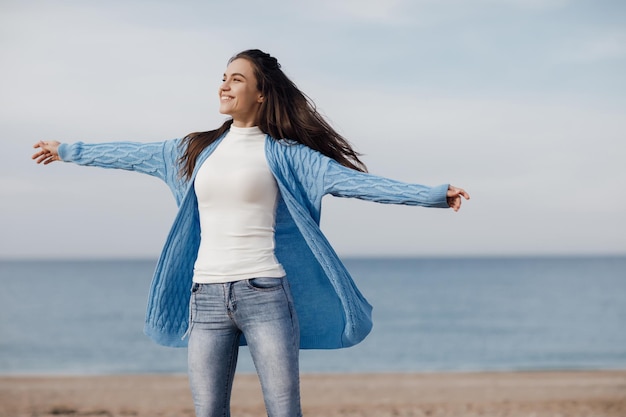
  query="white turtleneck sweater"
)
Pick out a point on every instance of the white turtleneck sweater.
point(237, 196)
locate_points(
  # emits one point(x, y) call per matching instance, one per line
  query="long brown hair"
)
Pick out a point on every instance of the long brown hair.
point(285, 113)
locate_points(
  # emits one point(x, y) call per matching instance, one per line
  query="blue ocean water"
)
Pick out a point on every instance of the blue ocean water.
point(86, 317)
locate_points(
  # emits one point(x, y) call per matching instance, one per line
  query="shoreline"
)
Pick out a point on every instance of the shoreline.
point(600, 393)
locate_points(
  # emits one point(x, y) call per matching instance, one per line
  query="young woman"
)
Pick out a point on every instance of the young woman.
point(246, 238)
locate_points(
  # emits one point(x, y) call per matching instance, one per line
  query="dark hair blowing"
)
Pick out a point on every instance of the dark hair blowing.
point(285, 113)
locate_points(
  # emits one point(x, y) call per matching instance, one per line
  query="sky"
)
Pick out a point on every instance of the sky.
point(520, 102)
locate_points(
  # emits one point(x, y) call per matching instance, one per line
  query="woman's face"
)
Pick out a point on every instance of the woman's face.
point(238, 94)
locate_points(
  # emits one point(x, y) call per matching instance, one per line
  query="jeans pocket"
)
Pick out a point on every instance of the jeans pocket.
point(194, 290)
point(264, 283)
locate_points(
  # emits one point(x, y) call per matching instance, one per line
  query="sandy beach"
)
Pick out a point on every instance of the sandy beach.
point(527, 394)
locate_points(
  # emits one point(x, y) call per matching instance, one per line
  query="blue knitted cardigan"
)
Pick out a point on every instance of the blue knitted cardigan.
point(331, 310)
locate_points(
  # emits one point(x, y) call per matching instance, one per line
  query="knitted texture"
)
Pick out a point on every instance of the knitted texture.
point(331, 310)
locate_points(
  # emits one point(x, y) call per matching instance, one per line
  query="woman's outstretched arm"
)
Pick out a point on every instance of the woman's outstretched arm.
point(345, 182)
point(158, 159)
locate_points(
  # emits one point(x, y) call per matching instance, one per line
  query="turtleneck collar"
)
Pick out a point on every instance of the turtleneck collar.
point(246, 131)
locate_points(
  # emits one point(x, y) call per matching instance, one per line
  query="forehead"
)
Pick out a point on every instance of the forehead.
point(241, 66)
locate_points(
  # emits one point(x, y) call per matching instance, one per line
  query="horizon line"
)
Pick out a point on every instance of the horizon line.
point(118, 258)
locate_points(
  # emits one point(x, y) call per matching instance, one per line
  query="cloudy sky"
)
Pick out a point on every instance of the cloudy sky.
point(521, 102)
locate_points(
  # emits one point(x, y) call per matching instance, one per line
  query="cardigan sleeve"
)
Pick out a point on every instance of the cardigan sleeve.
point(158, 159)
point(341, 181)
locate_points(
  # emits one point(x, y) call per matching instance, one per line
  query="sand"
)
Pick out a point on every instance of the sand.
point(512, 394)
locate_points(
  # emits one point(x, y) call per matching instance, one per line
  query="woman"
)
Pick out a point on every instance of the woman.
point(247, 236)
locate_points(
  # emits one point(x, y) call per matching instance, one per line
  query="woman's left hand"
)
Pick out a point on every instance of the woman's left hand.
point(454, 197)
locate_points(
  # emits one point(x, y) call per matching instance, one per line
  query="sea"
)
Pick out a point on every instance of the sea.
point(85, 317)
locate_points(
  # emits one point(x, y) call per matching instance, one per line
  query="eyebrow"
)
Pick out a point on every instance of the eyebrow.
point(235, 74)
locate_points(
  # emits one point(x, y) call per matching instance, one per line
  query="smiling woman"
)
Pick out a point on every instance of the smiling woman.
point(246, 241)
point(239, 96)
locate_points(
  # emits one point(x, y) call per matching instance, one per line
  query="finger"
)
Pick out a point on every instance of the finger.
point(456, 203)
point(452, 203)
point(50, 159)
point(463, 193)
point(455, 191)
point(43, 157)
point(38, 154)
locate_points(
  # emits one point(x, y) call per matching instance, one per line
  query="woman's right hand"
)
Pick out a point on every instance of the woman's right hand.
point(48, 151)
point(454, 197)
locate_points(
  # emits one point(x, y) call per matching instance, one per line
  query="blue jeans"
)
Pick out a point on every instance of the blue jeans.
point(260, 309)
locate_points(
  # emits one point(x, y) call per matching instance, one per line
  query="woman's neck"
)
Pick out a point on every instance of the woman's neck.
point(244, 123)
